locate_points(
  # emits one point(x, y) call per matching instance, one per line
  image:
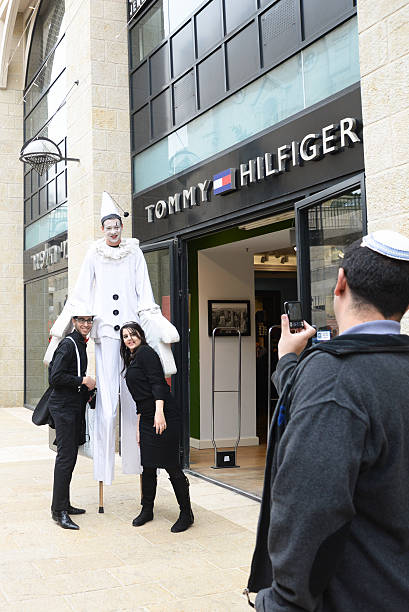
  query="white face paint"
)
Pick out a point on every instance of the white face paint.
point(112, 229)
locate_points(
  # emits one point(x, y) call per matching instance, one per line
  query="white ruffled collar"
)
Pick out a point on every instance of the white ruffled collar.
point(125, 248)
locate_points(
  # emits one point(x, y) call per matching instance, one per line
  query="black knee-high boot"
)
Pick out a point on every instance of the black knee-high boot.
point(149, 482)
point(180, 486)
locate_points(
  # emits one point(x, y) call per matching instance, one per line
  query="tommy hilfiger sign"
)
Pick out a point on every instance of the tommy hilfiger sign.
point(313, 147)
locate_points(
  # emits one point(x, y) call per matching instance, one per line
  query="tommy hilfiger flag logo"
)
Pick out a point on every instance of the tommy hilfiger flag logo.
point(225, 181)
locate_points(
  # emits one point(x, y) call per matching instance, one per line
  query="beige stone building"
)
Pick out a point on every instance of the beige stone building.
point(115, 84)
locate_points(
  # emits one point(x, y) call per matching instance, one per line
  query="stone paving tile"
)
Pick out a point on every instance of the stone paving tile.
point(62, 584)
point(133, 597)
point(151, 570)
point(40, 604)
point(85, 562)
point(230, 601)
point(207, 582)
point(25, 570)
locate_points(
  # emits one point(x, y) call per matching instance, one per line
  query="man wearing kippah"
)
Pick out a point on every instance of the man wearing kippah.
point(114, 282)
point(333, 532)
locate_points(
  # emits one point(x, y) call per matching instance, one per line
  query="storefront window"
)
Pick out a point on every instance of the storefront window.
point(158, 22)
point(44, 301)
point(53, 224)
point(159, 273)
point(317, 72)
point(148, 33)
point(331, 63)
point(46, 87)
point(332, 225)
point(46, 34)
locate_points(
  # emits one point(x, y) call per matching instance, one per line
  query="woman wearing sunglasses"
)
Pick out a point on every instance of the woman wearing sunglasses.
point(158, 424)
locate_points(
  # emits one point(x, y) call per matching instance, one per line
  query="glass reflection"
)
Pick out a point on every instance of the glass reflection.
point(44, 301)
point(158, 263)
point(332, 225)
point(52, 224)
point(331, 63)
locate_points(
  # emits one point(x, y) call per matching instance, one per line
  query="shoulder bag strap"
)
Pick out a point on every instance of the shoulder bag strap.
point(78, 355)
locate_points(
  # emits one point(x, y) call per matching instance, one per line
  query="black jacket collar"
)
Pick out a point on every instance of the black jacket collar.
point(77, 337)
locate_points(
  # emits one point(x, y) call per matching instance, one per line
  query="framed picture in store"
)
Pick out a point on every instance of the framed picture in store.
point(230, 315)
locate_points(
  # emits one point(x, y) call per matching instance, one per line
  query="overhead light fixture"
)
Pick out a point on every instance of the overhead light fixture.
point(268, 220)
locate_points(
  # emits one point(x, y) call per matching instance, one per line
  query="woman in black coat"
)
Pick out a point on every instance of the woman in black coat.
point(158, 425)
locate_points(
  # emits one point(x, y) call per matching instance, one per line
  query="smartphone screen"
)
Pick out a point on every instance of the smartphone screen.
point(293, 311)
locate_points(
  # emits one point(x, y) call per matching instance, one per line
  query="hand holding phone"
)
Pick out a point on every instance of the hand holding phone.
point(294, 339)
point(294, 314)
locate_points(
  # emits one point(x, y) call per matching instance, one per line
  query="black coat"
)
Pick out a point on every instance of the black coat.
point(146, 382)
point(68, 393)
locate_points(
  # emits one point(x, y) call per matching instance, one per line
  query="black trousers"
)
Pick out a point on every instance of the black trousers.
point(68, 422)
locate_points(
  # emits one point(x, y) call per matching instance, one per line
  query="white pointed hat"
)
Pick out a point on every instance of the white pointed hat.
point(388, 243)
point(81, 309)
point(109, 209)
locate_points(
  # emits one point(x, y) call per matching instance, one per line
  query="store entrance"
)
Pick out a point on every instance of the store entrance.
point(253, 264)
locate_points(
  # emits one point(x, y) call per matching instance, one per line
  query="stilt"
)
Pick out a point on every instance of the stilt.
point(101, 497)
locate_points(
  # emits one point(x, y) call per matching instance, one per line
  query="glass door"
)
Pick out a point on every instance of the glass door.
point(325, 224)
point(168, 275)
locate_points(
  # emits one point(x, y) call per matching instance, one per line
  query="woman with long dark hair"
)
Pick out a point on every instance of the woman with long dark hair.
point(158, 424)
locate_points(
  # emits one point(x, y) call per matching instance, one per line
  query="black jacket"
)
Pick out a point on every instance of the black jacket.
point(68, 392)
point(333, 532)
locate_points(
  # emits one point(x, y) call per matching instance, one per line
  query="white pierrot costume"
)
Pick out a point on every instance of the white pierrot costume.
point(114, 282)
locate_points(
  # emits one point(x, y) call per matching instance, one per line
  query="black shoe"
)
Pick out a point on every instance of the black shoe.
point(63, 519)
point(145, 516)
point(72, 510)
point(185, 520)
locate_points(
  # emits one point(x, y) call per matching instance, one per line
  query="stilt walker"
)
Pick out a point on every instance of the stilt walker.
point(114, 281)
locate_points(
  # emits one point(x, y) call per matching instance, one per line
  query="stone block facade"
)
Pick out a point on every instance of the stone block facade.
point(384, 59)
point(99, 135)
point(11, 231)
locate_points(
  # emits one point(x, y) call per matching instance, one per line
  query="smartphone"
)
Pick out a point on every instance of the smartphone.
point(294, 314)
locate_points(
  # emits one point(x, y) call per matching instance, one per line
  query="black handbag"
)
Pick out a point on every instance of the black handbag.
point(41, 414)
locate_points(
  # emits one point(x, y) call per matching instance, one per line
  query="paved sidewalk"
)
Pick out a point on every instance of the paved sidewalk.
point(109, 565)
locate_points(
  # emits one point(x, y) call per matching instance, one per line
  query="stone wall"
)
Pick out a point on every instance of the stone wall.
point(98, 119)
point(11, 232)
point(384, 59)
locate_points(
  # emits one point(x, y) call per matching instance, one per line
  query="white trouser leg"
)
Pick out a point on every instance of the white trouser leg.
point(130, 453)
point(107, 362)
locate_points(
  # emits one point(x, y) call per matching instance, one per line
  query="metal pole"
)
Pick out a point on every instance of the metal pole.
point(238, 395)
point(238, 391)
point(213, 380)
point(269, 383)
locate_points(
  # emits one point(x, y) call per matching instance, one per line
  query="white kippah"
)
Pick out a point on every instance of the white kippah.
point(388, 243)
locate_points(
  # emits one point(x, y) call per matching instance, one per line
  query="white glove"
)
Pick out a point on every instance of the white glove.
point(160, 333)
point(54, 342)
point(157, 326)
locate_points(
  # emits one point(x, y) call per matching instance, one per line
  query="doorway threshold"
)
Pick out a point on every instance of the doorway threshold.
point(224, 485)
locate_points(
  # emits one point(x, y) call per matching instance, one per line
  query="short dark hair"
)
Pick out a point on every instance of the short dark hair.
point(112, 216)
point(377, 280)
point(134, 328)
